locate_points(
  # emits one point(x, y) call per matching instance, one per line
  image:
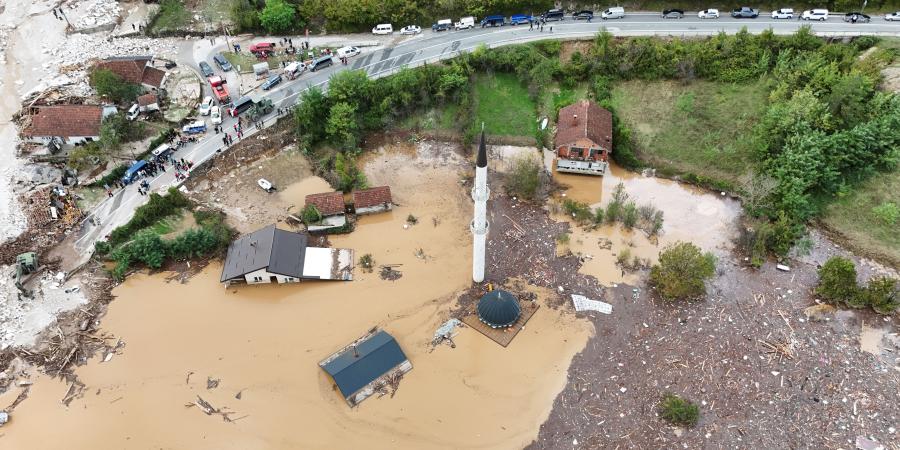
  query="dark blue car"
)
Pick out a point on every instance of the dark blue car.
point(520, 19)
point(271, 82)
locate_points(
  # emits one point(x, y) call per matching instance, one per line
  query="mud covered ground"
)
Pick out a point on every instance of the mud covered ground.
point(763, 371)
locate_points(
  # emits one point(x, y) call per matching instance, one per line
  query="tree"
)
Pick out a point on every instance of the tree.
point(682, 271)
point(881, 294)
point(113, 87)
point(309, 115)
point(837, 280)
point(352, 87)
point(525, 177)
point(342, 127)
point(349, 177)
point(310, 214)
point(244, 15)
point(277, 17)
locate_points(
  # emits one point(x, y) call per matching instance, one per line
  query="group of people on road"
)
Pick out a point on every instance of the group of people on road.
point(539, 24)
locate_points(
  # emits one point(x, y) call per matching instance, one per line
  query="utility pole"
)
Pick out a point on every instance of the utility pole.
point(227, 40)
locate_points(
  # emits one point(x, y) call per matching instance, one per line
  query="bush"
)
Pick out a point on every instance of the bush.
point(837, 281)
point(101, 248)
point(887, 212)
point(367, 262)
point(581, 212)
point(563, 238)
point(881, 295)
point(115, 175)
point(113, 87)
point(310, 214)
point(349, 177)
point(525, 177)
point(682, 271)
point(158, 207)
point(629, 215)
point(679, 411)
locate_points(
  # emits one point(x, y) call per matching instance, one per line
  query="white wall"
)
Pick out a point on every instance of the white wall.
point(261, 276)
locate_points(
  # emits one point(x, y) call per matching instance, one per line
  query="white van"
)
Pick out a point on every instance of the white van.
point(615, 12)
point(465, 23)
point(815, 14)
point(133, 112)
point(294, 69)
point(383, 28)
point(346, 52)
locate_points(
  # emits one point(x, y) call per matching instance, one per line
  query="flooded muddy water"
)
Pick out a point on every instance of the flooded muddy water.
point(295, 193)
point(264, 343)
point(690, 214)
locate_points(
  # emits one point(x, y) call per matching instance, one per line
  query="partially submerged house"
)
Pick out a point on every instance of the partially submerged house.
point(372, 200)
point(273, 255)
point(367, 364)
point(65, 124)
point(583, 139)
point(148, 102)
point(136, 69)
point(331, 207)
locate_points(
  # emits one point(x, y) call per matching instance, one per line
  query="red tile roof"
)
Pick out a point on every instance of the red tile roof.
point(147, 99)
point(65, 121)
point(584, 120)
point(153, 76)
point(328, 203)
point(372, 197)
point(131, 69)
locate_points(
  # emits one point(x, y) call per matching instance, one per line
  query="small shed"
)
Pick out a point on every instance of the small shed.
point(373, 200)
point(261, 70)
point(365, 365)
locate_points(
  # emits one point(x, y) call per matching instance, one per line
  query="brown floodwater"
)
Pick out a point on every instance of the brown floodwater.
point(690, 214)
point(295, 193)
point(264, 342)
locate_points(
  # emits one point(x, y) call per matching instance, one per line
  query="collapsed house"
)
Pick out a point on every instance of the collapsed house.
point(272, 255)
point(583, 139)
point(330, 206)
point(136, 69)
point(372, 200)
point(367, 365)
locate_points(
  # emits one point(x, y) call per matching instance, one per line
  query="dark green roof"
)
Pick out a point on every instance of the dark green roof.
point(498, 309)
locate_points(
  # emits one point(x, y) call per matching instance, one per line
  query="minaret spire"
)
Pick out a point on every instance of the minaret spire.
point(479, 226)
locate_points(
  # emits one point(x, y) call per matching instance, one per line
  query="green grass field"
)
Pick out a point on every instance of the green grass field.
point(703, 128)
point(856, 217)
point(504, 106)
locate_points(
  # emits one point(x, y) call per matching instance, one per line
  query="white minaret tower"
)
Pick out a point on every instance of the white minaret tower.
point(479, 226)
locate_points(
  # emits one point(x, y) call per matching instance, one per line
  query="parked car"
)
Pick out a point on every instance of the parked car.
point(195, 127)
point(321, 63)
point(745, 12)
point(583, 15)
point(222, 62)
point(442, 25)
point(215, 115)
point(673, 14)
point(133, 112)
point(553, 15)
point(493, 21)
point(265, 184)
point(206, 105)
point(262, 49)
point(465, 23)
point(815, 14)
point(615, 12)
point(347, 52)
point(708, 14)
point(520, 19)
point(854, 17)
point(783, 13)
point(294, 69)
point(383, 28)
point(411, 29)
point(891, 17)
point(271, 82)
point(205, 69)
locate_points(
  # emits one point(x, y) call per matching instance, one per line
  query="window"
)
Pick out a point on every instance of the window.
point(257, 279)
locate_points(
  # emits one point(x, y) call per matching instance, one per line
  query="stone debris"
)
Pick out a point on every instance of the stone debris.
point(583, 303)
point(92, 15)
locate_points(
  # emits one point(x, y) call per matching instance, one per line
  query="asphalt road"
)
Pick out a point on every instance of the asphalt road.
point(430, 47)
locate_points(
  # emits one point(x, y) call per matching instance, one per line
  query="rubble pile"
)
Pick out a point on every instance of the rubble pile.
point(92, 13)
point(44, 230)
point(21, 318)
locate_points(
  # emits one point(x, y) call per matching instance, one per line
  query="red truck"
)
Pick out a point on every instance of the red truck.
point(218, 86)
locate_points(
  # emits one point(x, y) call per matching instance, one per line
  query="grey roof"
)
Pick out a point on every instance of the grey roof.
point(498, 309)
point(279, 251)
point(376, 356)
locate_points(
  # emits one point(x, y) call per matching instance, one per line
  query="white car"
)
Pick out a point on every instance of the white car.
point(206, 106)
point(215, 115)
point(783, 13)
point(892, 16)
point(347, 52)
point(708, 14)
point(815, 14)
point(411, 29)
